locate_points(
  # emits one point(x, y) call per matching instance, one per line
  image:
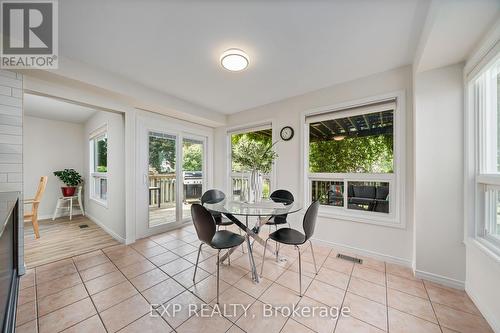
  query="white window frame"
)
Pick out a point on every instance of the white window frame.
point(94, 175)
point(396, 217)
point(252, 127)
point(481, 183)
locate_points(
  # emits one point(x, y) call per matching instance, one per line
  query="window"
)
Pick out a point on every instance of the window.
point(351, 161)
point(240, 173)
point(484, 93)
point(99, 166)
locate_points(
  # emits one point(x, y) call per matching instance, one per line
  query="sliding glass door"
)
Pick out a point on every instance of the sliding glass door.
point(171, 175)
point(162, 178)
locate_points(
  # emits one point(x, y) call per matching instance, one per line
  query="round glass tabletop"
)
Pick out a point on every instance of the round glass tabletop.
point(262, 208)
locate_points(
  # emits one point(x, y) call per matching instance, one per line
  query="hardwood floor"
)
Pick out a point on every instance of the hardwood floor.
point(62, 239)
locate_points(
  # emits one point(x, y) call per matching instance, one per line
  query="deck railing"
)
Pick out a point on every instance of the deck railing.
point(166, 183)
point(240, 185)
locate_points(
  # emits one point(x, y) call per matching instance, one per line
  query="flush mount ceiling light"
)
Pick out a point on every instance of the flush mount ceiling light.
point(234, 60)
point(339, 137)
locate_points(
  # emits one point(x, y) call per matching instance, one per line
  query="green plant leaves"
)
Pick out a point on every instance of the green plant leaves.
point(70, 177)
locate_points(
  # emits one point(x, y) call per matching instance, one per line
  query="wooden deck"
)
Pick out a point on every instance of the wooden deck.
point(63, 238)
point(166, 213)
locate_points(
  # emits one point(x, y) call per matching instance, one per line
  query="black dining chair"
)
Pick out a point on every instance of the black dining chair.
point(287, 198)
point(280, 196)
point(212, 197)
point(205, 226)
point(289, 236)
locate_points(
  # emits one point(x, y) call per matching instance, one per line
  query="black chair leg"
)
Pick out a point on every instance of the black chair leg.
point(300, 272)
point(197, 260)
point(263, 257)
point(242, 246)
point(218, 277)
point(277, 249)
point(229, 257)
point(314, 258)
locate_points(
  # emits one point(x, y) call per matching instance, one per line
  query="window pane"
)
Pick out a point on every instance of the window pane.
point(192, 174)
point(368, 196)
point(329, 193)
point(266, 188)
point(162, 177)
point(103, 184)
point(101, 154)
point(239, 188)
point(261, 139)
point(244, 146)
point(497, 105)
point(495, 226)
point(355, 144)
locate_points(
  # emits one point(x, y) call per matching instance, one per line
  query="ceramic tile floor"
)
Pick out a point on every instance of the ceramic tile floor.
point(112, 290)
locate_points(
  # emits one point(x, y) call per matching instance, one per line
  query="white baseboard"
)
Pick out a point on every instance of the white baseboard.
point(490, 317)
point(446, 281)
point(366, 253)
point(105, 228)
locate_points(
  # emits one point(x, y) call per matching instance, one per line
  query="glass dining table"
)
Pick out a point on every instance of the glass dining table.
point(262, 211)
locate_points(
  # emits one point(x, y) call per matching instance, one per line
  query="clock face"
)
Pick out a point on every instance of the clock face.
point(286, 133)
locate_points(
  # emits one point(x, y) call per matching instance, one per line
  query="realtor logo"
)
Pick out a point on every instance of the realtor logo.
point(29, 35)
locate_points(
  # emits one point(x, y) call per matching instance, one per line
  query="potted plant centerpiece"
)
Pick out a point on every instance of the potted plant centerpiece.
point(256, 157)
point(71, 178)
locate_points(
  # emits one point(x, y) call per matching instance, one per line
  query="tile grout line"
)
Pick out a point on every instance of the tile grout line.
point(432, 306)
point(387, 297)
point(90, 296)
point(305, 291)
point(345, 295)
point(127, 279)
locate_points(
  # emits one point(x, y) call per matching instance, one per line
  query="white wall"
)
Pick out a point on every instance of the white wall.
point(50, 145)
point(112, 217)
point(483, 274)
point(439, 248)
point(393, 244)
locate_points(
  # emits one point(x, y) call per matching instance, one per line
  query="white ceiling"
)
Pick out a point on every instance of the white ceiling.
point(54, 109)
point(294, 47)
point(453, 28)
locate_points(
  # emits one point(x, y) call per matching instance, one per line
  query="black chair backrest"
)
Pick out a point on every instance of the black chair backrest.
point(282, 195)
point(310, 219)
point(204, 223)
point(212, 196)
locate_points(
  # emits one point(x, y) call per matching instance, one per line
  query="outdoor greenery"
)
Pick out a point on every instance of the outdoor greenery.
point(252, 151)
point(370, 154)
point(193, 156)
point(70, 177)
point(102, 155)
point(162, 154)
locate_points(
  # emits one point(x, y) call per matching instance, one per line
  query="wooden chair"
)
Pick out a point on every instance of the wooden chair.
point(33, 215)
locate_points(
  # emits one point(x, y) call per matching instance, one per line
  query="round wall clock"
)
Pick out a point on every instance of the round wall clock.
point(286, 133)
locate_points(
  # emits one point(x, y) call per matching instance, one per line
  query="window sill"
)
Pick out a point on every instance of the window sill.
point(337, 214)
point(100, 202)
point(485, 246)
